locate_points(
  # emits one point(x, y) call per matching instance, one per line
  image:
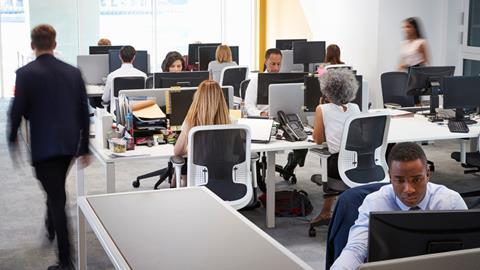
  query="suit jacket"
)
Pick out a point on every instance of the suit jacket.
point(51, 95)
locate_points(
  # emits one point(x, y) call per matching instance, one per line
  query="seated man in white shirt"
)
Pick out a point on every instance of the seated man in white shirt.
point(127, 56)
point(273, 60)
point(410, 189)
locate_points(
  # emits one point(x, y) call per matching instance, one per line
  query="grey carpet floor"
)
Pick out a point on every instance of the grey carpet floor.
point(22, 205)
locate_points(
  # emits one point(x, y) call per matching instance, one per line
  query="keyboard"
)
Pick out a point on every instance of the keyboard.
point(458, 126)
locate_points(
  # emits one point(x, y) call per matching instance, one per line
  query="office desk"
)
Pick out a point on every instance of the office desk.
point(94, 90)
point(166, 151)
point(418, 128)
point(187, 228)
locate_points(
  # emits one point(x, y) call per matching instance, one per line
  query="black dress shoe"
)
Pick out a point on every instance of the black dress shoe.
point(61, 266)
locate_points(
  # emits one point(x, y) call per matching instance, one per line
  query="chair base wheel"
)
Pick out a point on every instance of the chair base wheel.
point(136, 184)
point(312, 232)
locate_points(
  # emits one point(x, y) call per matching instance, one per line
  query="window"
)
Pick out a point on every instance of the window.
point(13, 43)
point(471, 67)
point(473, 36)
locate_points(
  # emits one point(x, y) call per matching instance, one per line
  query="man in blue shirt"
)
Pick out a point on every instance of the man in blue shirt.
point(410, 189)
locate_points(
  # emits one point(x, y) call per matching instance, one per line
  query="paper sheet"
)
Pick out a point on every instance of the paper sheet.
point(147, 110)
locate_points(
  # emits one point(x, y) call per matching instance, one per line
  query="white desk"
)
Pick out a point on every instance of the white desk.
point(94, 90)
point(188, 228)
point(418, 128)
point(166, 151)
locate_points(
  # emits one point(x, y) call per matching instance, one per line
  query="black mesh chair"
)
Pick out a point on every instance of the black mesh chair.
point(471, 162)
point(219, 158)
point(243, 88)
point(361, 159)
point(394, 89)
point(124, 83)
point(149, 82)
point(234, 76)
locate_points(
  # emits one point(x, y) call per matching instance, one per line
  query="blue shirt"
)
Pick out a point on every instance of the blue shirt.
point(437, 197)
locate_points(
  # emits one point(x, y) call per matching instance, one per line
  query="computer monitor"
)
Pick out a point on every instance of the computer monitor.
point(181, 100)
point(141, 61)
point(182, 79)
point(422, 80)
point(207, 54)
point(287, 64)
point(461, 92)
point(265, 79)
point(94, 68)
point(287, 44)
point(103, 49)
point(308, 52)
point(313, 94)
point(399, 234)
point(193, 51)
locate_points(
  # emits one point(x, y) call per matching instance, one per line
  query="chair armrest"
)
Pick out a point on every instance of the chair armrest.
point(322, 152)
point(392, 105)
point(177, 161)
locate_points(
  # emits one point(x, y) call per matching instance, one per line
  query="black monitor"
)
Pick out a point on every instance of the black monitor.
point(140, 62)
point(428, 81)
point(461, 92)
point(313, 94)
point(207, 54)
point(193, 51)
point(287, 44)
point(182, 79)
point(401, 234)
point(180, 102)
point(102, 49)
point(308, 52)
point(265, 79)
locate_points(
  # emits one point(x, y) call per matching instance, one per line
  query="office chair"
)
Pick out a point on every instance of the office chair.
point(124, 83)
point(471, 163)
point(234, 76)
point(344, 215)
point(243, 88)
point(394, 90)
point(361, 159)
point(149, 82)
point(219, 158)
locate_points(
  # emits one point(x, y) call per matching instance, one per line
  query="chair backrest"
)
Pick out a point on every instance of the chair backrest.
point(219, 158)
point(233, 76)
point(123, 83)
point(394, 88)
point(343, 218)
point(361, 159)
point(149, 82)
point(243, 88)
point(327, 67)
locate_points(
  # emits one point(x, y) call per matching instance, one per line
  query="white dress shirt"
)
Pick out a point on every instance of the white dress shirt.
point(253, 109)
point(126, 70)
point(437, 197)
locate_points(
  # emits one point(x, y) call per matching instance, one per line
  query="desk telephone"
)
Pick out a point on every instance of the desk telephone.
point(292, 126)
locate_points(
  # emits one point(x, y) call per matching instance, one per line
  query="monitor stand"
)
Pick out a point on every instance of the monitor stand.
point(460, 116)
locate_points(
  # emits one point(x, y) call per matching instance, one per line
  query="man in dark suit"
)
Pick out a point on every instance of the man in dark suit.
point(51, 95)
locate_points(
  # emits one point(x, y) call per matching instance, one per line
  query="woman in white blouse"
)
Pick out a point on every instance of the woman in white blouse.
point(413, 50)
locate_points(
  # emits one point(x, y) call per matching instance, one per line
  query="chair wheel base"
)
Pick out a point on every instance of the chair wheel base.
point(136, 184)
point(312, 232)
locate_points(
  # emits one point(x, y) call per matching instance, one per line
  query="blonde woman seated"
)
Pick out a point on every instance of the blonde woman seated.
point(208, 108)
point(339, 87)
point(223, 58)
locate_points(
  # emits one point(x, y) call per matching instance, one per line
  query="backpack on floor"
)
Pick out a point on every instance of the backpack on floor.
point(290, 203)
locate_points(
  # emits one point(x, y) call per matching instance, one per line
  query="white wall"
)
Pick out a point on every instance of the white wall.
point(369, 32)
point(352, 25)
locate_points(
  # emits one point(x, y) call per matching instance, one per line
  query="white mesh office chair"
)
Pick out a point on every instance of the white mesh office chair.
point(361, 159)
point(219, 158)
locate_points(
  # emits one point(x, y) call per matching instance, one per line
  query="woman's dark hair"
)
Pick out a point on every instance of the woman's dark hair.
point(333, 55)
point(170, 58)
point(415, 22)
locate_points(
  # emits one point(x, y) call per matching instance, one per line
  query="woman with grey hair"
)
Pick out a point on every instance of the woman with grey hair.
point(339, 87)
